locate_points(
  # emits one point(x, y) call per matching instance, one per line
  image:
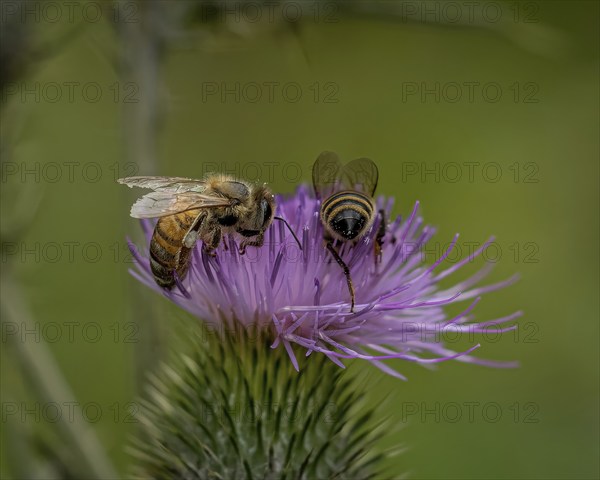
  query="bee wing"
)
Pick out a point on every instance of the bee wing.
point(361, 174)
point(330, 175)
point(326, 173)
point(165, 184)
point(163, 203)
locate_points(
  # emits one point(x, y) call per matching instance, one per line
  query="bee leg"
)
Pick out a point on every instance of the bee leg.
point(181, 263)
point(346, 270)
point(379, 237)
point(212, 243)
point(189, 240)
point(258, 242)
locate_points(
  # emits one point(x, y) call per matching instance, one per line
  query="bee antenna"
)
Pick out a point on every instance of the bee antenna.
point(290, 229)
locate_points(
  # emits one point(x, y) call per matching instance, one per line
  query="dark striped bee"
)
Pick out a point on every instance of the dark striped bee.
point(347, 207)
point(189, 209)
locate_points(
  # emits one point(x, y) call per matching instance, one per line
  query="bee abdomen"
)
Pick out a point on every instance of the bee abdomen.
point(349, 199)
point(167, 253)
point(347, 214)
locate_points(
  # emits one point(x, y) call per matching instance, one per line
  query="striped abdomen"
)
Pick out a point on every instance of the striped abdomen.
point(347, 214)
point(167, 252)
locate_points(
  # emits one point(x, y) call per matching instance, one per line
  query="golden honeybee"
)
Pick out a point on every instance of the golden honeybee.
point(190, 209)
point(347, 208)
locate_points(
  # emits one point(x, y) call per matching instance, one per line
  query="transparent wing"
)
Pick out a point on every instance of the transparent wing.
point(162, 203)
point(326, 173)
point(360, 174)
point(165, 184)
point(329, 175)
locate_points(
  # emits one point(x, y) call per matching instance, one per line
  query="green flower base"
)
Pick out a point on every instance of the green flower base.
point(236, 408)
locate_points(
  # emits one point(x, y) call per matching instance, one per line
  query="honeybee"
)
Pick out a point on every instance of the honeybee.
point(190, 209)
point(347, 208)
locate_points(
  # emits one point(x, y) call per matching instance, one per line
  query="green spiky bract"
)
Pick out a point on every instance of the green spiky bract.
point(235, 408)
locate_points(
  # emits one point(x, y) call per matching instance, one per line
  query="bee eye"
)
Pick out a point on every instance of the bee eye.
point(267, 212)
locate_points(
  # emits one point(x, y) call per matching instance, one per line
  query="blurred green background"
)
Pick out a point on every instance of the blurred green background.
point(519, 159)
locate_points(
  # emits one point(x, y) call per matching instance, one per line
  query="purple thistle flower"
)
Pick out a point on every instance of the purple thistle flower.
point(302, 298)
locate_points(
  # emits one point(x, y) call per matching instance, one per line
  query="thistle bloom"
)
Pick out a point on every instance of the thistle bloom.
point(301, 296)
